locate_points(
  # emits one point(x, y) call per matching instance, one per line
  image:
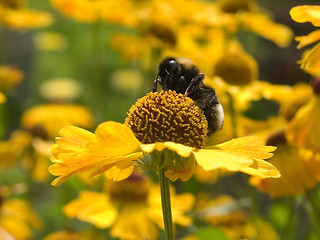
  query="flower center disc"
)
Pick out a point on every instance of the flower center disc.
point(168, 117)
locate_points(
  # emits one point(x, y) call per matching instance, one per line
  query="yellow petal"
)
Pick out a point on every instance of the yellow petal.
point(73, 138)
point(119, 174)
point(182, 150)
point(210, 159)
point(121, 163)
point(240, 154)
point(266, 28)
point(306, 13)
point(92, 207)
point(113, 139)
point(308, 39)
point(310, 60)
point(133, 223)
point(78, 150)
point(247, 146)
point(3, 98)
point(262, 169)
point(184, 172)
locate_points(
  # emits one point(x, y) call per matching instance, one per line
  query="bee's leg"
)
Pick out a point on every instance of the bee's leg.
point(155, 84)
point(194, 82)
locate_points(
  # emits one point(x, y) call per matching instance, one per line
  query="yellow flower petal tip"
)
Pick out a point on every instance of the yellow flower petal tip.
point(306, 13)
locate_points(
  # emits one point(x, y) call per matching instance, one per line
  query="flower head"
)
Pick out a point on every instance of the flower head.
point(236, 68)
point(17, 219)
point(299, 169)
point(114, 148)
point(10, 76)
point(310, 59)
point(14, 15)
point(52, 117)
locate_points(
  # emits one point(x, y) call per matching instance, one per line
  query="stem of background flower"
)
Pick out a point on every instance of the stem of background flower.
point(166, 202)
point(97, 69)
point(288, 231)
point(4, 48)
point(314, 212)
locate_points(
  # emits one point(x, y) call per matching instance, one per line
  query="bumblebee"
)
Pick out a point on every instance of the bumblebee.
point(181, 75)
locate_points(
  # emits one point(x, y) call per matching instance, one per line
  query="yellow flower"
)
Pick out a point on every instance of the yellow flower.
point(236, 68)
point(60, 89)
point(306, 13)
point(310, 59)
point(157, 123)
point(299, 169)
point(130, 208)
point(52, 117)
point(50, 41)
point(23, 18)
point(12, 149)
point(17, 220)
point(228, 215)
point(304, 130)
point(10, 76)
point(93, 11)
point(249, 17)
point(262, 25)
point(31, 149)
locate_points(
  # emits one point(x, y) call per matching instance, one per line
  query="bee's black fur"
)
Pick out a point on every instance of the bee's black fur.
point(182, 76)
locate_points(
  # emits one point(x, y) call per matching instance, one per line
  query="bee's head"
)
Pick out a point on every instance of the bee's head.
point(172, 73)
point(169, 66)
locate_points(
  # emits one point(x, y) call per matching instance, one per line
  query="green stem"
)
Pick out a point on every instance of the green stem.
point(166, 203)
point(314, 213)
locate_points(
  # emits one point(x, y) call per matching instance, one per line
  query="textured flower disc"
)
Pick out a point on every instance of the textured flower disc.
point(134, 189)
point(236, 68)
point(168, 117)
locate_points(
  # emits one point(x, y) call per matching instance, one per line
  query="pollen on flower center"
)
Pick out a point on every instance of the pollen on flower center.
point(168, 116)
point(134, 189)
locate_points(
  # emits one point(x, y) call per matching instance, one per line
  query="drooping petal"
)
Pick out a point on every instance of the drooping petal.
point(118, 174)
point(310, 60)
point(306, 13)
point(184, 172)
point(182, 150)
point(308, 39)
point(120, 168)
point(78, 150)
point(304, 129)
point(262, 168)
